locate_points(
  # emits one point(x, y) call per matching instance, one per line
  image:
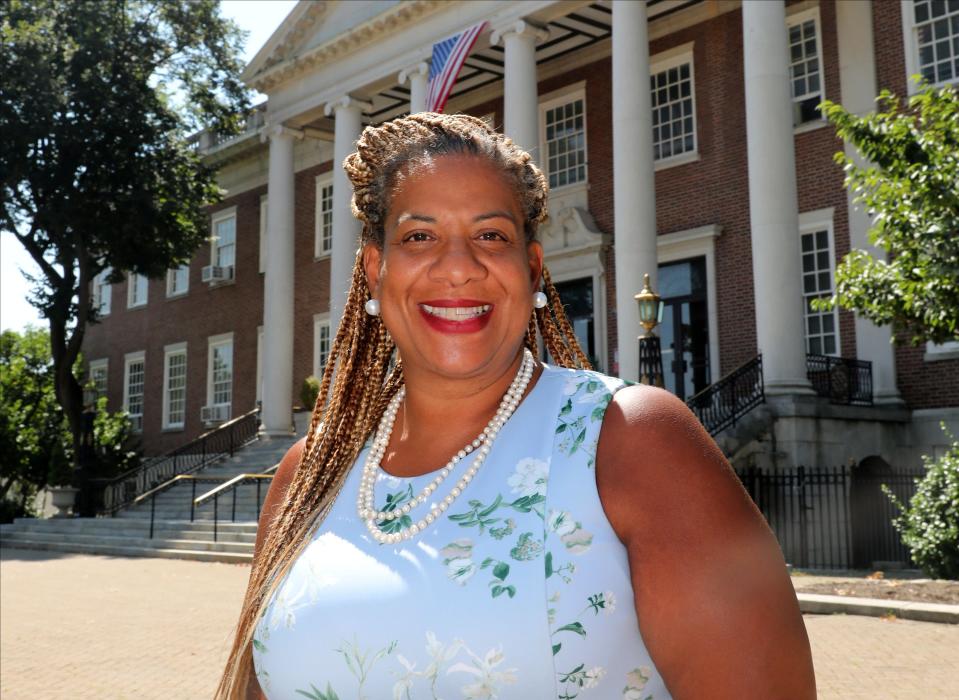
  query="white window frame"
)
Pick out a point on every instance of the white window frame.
point(810, 222)
point(320, 321)
point(936, 352)
point(102, 292)
point(673, 58)
point(136, 282)
point(215, 341)
point(129, 359)
point(259, 364)
point(171, 290)
point(168, 352)
point(95, 366)
point(264, 224)
point(569, 93)
point(324, 180)
point(910, 46)
point(217, 217)
point(800, 18)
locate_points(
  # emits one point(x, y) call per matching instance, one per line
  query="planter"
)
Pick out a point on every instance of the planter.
point(64, 499)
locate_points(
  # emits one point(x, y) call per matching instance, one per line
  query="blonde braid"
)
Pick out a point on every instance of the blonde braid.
point(358, 380)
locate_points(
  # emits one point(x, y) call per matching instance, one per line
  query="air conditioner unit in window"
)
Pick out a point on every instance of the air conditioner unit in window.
point(217, 413)
point(216, 273)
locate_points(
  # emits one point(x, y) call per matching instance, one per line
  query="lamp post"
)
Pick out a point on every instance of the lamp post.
point(650, 351)
point(86, 458)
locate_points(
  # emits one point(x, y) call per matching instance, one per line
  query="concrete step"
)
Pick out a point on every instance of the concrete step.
point(67, 527)
point(109, 542)
point(131, 551)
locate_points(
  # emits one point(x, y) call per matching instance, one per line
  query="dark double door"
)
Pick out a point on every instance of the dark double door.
point(684, 332)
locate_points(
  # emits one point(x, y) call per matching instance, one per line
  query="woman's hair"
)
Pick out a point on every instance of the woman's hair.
point(362, 374)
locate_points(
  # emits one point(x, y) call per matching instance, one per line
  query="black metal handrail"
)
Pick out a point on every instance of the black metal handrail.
point(843, 380)
point(223, 440)
point(724, 402)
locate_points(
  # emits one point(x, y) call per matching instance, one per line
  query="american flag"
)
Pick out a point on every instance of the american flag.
point(448, 57)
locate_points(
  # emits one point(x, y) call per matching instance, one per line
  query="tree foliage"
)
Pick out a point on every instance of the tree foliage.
point(96, 101)
point(911, 189)
point(930, 523)
point(36, 445)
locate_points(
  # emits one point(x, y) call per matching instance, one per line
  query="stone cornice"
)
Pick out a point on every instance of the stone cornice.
point(392, 20)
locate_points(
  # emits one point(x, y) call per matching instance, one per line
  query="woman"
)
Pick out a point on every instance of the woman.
point(504, 529)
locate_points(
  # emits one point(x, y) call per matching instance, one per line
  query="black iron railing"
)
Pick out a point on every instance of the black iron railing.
point(842, 380)
point(723, 403)
point(831, 518)
point(224, 440)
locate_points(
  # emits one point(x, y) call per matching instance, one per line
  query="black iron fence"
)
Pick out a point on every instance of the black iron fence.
point(724, 402)
point(832, 518)
point(842, 380)
point(115, 494)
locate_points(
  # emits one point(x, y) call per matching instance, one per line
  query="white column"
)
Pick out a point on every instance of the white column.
point(857, 82)
point(278, 300)
point(346, 228)
point(773, 206)
point(634, 186)
point(418, 75)
point(520, 97)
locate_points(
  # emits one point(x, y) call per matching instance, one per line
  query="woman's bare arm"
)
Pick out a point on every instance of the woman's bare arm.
point(715, 605)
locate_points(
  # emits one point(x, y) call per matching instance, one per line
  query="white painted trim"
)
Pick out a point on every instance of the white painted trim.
point(673, 58)
point(569, 93)
point(212, 342)
point(101, 300)
point(169, 351)
point(264, 204)
point(324, 180)
point(694, 243)
point(215, 218)
point(104, 363)
point(128, 359)
point(910, 49)
point(798, 16)
point(259, 364)
point(132, 303)
point(811, 221)
point(936, 352)
point(170, 275)
point(318, 321)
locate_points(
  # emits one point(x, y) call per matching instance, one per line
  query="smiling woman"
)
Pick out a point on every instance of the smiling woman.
point(562, 560)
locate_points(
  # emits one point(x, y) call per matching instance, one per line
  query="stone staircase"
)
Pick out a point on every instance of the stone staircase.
point(174, 535)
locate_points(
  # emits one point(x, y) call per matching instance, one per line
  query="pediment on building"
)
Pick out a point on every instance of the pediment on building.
point(572, 228)
point(317, 31)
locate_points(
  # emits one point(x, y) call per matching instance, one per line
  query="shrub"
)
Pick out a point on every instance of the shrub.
point(930, 524)
point(309, 392)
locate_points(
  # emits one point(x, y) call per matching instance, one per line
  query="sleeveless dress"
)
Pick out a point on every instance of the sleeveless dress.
point(521, 589)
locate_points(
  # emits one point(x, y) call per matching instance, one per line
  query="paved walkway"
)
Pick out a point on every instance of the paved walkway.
point(77, 627)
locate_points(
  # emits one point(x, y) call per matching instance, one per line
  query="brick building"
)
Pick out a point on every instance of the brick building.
point(739, 214)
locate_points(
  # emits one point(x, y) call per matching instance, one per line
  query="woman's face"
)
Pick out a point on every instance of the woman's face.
point(455, 275)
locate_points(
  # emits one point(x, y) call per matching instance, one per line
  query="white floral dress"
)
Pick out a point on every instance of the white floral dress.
point(520, 590)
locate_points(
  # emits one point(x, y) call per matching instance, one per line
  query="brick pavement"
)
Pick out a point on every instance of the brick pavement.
point(77, 626)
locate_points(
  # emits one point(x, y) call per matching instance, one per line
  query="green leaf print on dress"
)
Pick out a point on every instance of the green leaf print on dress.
point(579, 678)
point(394, 501)
point(573, 426)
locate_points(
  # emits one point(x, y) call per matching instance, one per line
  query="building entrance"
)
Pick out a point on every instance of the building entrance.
point(684, 332)
point(577, 298)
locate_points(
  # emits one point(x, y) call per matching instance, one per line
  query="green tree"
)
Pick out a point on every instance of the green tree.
point(96, 102)
point(911, 189)
point(929, 525)
point(36, 445)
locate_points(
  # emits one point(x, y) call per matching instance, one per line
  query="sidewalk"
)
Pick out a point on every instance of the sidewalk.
point(78, 626)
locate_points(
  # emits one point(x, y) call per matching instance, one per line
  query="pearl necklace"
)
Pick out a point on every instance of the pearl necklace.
point(483, 443)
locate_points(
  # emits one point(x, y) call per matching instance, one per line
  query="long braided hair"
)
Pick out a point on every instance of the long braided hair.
point(362, 372)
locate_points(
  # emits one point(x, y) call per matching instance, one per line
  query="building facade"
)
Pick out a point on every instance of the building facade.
point(680, 138)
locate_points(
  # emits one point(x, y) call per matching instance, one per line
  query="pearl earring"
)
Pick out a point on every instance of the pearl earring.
point(539, 300)
point(373, 307)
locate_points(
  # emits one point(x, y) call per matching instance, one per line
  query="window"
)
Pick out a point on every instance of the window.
point(822, 328)
point(134, 373)
point(224, 238)
point(321, 343)
point(324, 216)
point(935, 39)
point(674, 120)
point(137, 286)
point(263, 234)
point(178, 280)
point(805, 66)
point(563, 123)
point(102, 291)
point(174, 386)
point(220, 370)
point(97, 375)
